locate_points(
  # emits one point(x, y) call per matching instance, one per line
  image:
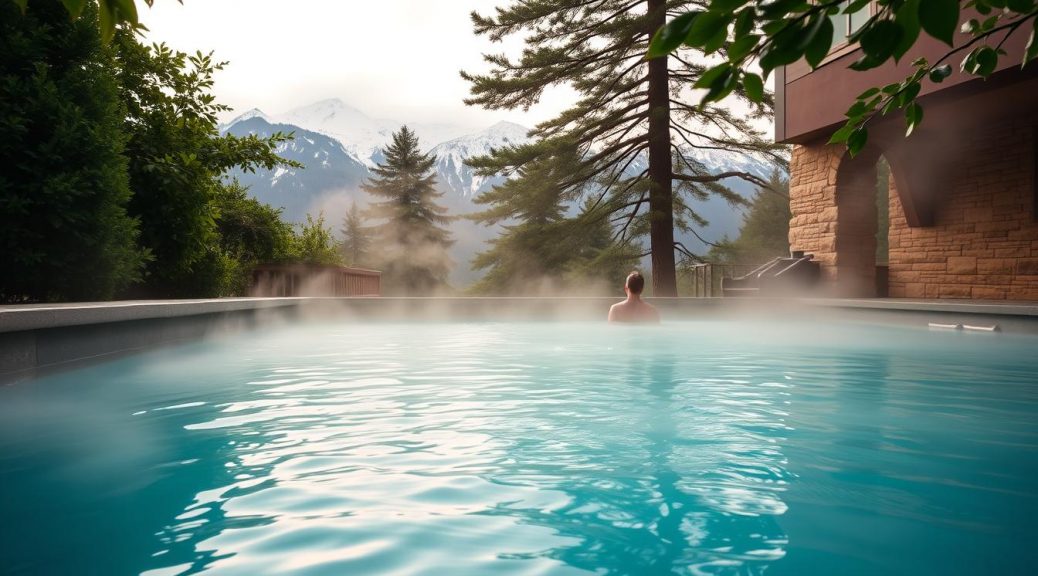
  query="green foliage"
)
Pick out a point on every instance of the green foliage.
point(627, 112)
point(542, 251)
point(250, 233)
point(111, 13)
point(773, 33)
point(65, 232)
point(410, 242)
point(764, 233)
point(356, 243)
point(315, 244)
point(177, 159)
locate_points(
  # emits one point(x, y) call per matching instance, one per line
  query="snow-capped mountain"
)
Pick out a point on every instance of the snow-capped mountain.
point(329, 170)
point(451, 156)
point(361, 134)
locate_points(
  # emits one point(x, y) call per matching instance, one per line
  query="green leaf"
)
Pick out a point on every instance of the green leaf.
point(127, 10)
point(754, 86)
point(21, 4)
point(856, 141)
point(843, 133)
point(671, 35)
point(106, 20)
point(889, 106)
point(909, 93)
point(721, 86)
point(855, 6)
point(774, 27)
point(939, 18)
point(1031, 51)
point(868, 93)
point(938, 74)
point(881, 39)
point(907, 17)
point(857, 110)
point(784, 48)
point(705, 27)
point(738, 49)
point(1020, 6)
point(913, 116)
point(717, 40)
point(74, 7)
point(982, 61)
point(821, 40)
point(708, 77)
point(865, 63)
point(743, 23)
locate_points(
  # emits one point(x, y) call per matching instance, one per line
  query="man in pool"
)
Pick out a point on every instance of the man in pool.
point(634, 309)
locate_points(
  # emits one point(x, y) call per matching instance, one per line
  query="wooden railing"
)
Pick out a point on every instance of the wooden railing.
point(314, 280)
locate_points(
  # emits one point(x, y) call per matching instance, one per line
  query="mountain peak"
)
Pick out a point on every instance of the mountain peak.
point(510, 128)
point(251, 113)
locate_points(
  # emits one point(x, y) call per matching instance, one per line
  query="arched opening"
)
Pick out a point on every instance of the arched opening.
point(862, 225)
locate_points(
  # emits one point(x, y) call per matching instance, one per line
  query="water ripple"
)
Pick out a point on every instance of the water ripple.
point(698, 448)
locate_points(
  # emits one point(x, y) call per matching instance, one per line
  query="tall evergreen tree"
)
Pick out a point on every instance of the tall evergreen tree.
point(541, 249)
point(411, 240)
point(764, 233)
point(64, 229)
point(356, 238)
point(627, 112)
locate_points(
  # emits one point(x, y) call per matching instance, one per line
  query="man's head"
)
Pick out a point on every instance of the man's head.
point(635, 283)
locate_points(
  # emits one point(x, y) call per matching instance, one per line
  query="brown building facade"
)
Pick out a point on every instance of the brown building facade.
point(963, 190)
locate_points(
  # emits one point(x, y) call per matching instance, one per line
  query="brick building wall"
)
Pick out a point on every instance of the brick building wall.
point(984, 241)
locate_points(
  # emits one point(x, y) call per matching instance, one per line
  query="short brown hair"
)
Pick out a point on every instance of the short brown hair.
point(635, 282)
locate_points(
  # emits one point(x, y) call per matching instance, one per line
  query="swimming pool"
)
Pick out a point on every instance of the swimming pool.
point(531, 448)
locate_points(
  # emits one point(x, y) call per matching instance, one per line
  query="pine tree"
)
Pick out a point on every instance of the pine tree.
point(541, 249)
point(764, 233)
point(64, 189)
point(411, 240)
point(627, 112)
point(356, 240)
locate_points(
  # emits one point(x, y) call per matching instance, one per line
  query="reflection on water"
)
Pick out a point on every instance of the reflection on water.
point(695, 448)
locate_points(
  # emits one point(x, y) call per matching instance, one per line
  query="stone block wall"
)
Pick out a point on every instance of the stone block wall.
point(984, 242)
point(812, 202)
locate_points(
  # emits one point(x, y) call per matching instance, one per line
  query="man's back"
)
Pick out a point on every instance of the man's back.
point(633, 311)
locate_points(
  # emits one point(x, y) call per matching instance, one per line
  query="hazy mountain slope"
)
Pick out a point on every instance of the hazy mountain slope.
point(330, 179)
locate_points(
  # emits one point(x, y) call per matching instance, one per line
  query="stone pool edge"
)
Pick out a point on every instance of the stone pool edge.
point(39, 338)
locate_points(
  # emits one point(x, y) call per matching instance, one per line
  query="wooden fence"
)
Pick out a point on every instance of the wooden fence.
point(314, 280)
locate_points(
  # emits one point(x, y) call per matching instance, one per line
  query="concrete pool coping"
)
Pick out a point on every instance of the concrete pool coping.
point(38, 337)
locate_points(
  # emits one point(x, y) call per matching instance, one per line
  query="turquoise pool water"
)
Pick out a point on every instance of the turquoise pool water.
point(571, 448)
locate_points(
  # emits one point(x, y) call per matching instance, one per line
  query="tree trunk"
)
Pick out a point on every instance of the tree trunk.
point(661, 199)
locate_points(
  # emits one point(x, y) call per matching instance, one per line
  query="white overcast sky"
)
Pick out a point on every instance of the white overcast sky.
point(395, 59)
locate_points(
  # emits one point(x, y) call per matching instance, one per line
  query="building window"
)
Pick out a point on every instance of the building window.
point(846, 24)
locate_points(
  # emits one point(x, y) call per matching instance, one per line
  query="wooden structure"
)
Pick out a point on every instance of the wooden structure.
point(314, 280)
point(963, 193)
